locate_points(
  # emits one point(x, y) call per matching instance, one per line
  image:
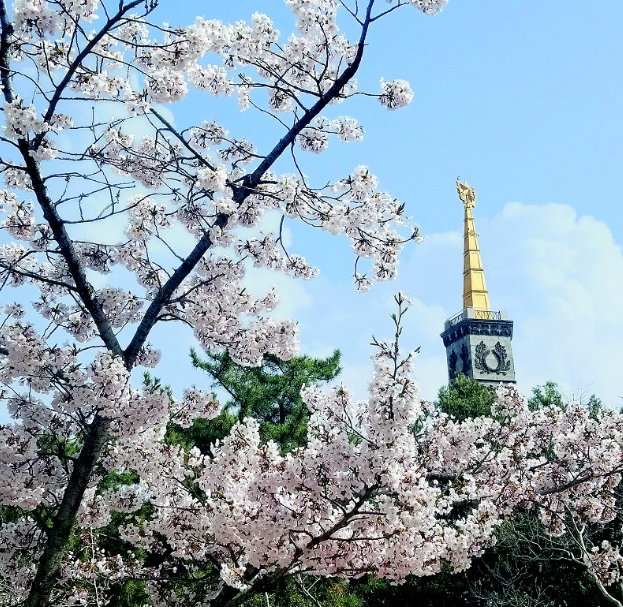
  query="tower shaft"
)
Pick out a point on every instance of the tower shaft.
point(474, 287)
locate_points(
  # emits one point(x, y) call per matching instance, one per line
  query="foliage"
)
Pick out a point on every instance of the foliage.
point(527, 567)
point(270, 393)
point(465, 398)
point(530, 567)
point(305, 591)
point(547, 395)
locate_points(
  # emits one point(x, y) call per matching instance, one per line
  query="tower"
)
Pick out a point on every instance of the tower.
point(477, 339)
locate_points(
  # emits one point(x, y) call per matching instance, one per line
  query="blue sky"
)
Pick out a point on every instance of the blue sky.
point(523, 100)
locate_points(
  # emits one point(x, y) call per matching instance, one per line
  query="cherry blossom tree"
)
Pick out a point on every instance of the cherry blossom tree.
point(165, 215)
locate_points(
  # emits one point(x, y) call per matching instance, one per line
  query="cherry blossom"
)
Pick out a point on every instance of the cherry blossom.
point(113, 226)
point(396, 94)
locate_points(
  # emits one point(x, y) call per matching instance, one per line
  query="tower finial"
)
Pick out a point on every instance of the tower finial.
point(475, 293)
point(466, 194)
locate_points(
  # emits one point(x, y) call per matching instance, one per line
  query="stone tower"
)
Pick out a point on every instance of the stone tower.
point(477, 339)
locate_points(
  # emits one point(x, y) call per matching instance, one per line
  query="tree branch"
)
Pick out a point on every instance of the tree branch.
point(83, 287)
point(58, 535)
point(85, 52)
point(5, 50)
point(252, 180)
point(165, 293)
point(249, 183)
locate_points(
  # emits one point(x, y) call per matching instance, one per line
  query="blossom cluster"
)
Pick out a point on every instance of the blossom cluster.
point(366, 494)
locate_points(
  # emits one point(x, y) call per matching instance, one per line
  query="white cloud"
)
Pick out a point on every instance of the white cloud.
point(561, 278)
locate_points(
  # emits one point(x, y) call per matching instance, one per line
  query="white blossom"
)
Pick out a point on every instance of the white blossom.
point(395, 94)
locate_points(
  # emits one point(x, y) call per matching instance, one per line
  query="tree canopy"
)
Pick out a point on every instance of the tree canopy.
point(465, 398)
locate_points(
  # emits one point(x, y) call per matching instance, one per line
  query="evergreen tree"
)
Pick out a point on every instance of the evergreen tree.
point(465, 398)
point(271, 393)
point(546, 395)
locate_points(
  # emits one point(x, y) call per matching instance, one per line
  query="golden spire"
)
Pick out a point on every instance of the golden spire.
point(474, 287)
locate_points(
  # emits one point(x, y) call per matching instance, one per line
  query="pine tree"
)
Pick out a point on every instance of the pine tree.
point(271, 393)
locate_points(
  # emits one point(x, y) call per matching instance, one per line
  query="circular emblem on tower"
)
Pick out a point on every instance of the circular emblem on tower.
point(492, 361)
